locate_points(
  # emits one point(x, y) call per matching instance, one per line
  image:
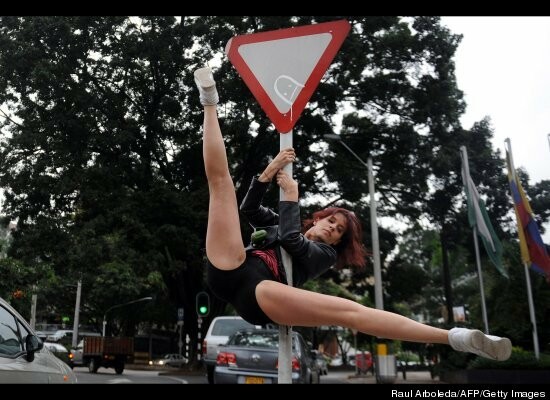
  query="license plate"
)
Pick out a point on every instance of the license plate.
point(254, 379)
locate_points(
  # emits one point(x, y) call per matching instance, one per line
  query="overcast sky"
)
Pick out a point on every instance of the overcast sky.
point(503, 68)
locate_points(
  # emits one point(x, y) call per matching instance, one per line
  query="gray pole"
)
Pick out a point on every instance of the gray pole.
point(378, 295)
point(481, 289)
point(527, 277)
point(77, 314)
point(378, 298)
point(284, 374)
point(532, 312)
point(104, 324)
point(180, 341)
point(355, 345)
point(34, 297)
point(199, 342)
point(466, 174)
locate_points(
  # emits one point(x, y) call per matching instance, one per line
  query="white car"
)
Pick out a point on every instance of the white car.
point(58, 350)
point(23, 357)
point(170, 360)
point(218, 333)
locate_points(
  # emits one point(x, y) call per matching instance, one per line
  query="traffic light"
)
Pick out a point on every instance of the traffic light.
point(203, 304)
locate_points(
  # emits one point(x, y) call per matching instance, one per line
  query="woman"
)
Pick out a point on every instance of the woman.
point(253, 280)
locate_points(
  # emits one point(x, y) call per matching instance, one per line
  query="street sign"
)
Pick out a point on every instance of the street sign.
point(282, 68)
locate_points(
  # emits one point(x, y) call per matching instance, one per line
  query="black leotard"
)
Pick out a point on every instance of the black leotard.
point(309, 258)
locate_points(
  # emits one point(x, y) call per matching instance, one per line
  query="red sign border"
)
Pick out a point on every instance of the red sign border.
point(339, 30)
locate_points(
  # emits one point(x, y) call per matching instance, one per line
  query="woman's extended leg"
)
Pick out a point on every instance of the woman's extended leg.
point(286, 305)
point(224, 246)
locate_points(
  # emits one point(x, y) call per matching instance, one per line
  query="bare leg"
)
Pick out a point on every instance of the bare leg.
point(224, 246)
point(286, 305)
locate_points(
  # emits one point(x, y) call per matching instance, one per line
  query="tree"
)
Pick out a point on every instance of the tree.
point(101, 148)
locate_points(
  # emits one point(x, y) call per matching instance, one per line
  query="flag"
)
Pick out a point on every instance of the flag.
point(533, 251)
point(478, 218)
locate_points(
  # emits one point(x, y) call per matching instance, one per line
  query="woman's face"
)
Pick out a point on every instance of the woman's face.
point(328, 230)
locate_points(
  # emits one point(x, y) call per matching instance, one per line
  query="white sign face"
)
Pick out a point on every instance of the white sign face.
point(283, 66)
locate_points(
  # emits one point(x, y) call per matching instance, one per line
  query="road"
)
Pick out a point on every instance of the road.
point(108, 376)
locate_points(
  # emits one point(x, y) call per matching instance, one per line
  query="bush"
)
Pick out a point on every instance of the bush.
point(520, 359)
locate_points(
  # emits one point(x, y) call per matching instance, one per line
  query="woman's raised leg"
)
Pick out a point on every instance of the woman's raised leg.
point(224, 246)
point(286, 305)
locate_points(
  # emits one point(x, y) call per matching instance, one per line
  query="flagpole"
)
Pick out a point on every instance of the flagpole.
point(526, 267)
point(466, 168)
point(481, 289)
point(532, 311)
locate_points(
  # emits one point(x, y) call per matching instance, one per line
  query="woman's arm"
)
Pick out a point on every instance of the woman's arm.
point(252, 208)
point(285, 156)
point(251, 205)
point(313, 258)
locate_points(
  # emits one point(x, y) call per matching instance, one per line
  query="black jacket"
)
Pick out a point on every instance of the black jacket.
point(309, 258)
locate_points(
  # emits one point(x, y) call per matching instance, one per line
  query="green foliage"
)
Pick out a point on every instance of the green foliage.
point(19, 276)
point(101, 155)
point(520, 359)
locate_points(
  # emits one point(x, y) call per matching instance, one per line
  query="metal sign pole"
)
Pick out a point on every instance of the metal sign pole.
point(282, 68)
point(285, 332)
point(180, 327)
point(199, 343)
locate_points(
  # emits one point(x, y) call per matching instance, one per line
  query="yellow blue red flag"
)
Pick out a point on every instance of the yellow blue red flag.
point(533, 250)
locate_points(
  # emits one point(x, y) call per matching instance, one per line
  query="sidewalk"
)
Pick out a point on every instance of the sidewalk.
point(412, 377)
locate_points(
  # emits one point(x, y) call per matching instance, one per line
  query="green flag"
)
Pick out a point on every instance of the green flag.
point(478, 218)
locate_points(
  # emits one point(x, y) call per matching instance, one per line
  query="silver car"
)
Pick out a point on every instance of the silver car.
point(23, 357)
point(219, 331)
point(252, 356)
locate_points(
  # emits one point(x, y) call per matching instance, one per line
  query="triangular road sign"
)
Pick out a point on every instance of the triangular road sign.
point(282, 68)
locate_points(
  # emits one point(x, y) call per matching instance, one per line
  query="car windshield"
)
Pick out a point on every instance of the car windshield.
point(255, 339)
point(229, 326)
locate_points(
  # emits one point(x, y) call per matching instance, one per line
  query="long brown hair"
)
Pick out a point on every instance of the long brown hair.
point(350, 250)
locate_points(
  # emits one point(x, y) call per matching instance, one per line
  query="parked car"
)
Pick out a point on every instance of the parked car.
point(75, 355)
point(59, 351)
point(23, 357)
point(61, 334)
point(65, 336)
point(170, 360)
point(252, 356)
point(218, 333)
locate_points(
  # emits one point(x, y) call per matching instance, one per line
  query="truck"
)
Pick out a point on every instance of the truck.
point(107, 352)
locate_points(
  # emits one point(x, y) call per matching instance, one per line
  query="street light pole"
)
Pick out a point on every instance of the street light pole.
point(76, 320)
point(121, 305)
point(378, 298)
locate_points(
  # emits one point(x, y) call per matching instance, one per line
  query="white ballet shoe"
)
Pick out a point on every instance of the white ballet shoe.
point(474, 341)
point(207, 86)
